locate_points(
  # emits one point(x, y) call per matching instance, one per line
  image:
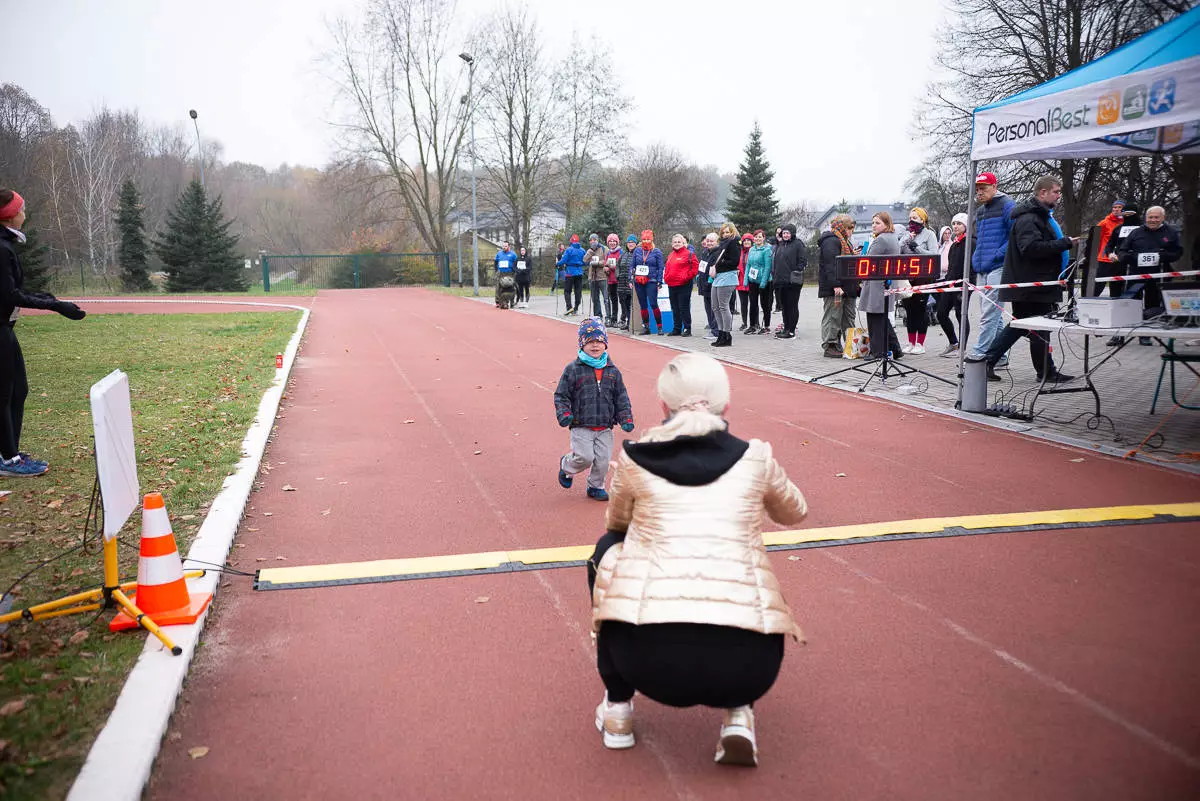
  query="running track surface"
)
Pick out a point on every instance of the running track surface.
point(1050, 665)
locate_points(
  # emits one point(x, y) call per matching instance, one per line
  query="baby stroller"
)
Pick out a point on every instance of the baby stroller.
point(506, 292)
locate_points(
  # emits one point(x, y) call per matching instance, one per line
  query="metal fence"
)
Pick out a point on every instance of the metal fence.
point(353, 270)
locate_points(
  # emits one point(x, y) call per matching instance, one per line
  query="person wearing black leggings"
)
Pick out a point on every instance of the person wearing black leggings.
point(787, 269)
point(670, 610)
point(14, 384)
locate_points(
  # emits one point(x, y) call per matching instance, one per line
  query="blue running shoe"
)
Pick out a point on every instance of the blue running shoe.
point(22, 468)
point(564, 480)
point(597, 493)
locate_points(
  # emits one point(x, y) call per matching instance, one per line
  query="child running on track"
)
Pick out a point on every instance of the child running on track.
point(590, 400)
point(685, 607)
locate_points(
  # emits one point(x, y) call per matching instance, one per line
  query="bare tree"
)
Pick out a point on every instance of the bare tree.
point(520, 118)
point(994, 48)
point(402, 93)
point(660, 187)
point(588, 95)
point(95, 169)
point(23, 124)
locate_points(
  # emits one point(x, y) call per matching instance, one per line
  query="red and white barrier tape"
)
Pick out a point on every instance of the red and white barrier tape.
point(1147, 276)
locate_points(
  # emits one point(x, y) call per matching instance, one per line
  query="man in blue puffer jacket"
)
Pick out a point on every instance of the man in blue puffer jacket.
point(992, 227)
point(572, 260)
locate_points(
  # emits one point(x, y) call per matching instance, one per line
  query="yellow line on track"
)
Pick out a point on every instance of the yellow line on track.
point(462, 564)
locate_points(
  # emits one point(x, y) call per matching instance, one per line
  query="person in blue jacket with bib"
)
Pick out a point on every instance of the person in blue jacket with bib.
point(505, 263)
point(647, 268)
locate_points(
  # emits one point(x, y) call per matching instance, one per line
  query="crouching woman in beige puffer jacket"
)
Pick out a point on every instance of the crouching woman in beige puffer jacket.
point(685, 607)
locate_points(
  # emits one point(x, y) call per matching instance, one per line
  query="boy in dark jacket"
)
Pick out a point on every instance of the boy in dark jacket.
point(590, 400)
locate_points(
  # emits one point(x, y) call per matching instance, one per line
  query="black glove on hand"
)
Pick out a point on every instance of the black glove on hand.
point(69, 310)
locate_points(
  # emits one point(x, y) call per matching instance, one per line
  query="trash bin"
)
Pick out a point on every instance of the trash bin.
point(975, 391)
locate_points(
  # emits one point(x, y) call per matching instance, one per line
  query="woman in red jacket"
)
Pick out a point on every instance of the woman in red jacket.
point(680, 271)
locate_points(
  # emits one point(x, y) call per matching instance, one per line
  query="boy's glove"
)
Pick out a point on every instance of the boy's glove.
point(627, 426)
point(565, 420)
point(69, 310)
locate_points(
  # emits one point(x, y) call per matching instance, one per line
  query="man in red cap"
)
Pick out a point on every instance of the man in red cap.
point(992, 227)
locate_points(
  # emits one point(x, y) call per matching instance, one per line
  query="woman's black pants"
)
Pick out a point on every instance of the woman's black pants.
point(683, 664)
point(13, 390)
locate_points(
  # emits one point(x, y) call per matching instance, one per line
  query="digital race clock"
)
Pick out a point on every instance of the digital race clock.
point(880, 268)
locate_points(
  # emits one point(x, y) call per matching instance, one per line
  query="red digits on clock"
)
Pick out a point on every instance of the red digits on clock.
point(864, 268)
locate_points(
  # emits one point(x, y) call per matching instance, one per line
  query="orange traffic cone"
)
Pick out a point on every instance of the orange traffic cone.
point(162, 592)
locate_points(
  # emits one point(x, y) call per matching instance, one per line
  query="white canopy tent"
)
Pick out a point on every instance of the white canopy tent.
point(1140, 99)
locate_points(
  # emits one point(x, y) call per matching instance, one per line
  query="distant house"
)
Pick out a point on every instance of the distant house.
point(547, 222)
point(862, 213)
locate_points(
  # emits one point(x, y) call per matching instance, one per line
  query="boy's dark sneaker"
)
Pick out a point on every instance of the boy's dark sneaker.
point(564, 480)
point(21, 467)
point(597, 494)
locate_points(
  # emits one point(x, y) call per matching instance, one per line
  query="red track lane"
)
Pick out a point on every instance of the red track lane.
point(1048, 665)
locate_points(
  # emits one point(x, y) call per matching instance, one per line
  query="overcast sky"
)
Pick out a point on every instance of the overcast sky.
point(835, 96)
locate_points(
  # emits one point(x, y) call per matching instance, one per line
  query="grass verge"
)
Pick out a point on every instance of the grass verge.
point(196, 381)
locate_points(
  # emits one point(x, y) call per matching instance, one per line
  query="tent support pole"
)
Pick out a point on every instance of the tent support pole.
point(966, 295)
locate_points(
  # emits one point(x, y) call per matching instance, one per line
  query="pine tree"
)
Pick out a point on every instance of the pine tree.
point(752, 203)
point(34, 269)
point(199, 252)
point(132, 254)
point(604, 219)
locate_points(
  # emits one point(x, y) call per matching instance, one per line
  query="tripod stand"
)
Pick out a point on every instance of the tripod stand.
point(880, 366)
point(110, 595)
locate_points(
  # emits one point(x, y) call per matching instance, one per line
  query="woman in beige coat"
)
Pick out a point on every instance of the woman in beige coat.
point(685, 607)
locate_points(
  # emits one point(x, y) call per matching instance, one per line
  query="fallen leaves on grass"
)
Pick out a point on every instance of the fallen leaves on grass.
point(78, 637)
point(12, 707)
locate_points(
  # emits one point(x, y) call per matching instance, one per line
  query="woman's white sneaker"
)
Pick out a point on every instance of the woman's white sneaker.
point(907, 348)
point(615, 722)
point(918, 349)
point(737, 745)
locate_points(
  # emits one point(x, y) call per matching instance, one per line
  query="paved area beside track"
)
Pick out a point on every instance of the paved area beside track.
point(1126, 383)
point(1045, 665)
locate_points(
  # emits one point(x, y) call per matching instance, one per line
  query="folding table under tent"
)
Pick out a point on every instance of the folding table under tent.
point(1140, 99)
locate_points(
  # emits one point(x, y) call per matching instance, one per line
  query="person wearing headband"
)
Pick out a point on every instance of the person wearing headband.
point(685, 607)
point(14, 384)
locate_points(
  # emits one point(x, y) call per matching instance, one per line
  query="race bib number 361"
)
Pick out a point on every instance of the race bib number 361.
point(1147, 260)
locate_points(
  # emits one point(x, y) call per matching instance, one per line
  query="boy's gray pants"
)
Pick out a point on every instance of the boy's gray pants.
point(589, 449)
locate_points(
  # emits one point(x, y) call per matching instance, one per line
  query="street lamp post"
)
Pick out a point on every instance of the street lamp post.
point(199, 152)
point(467, 57)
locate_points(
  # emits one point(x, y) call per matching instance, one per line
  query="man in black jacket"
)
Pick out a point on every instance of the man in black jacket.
point(1150, 248)
point(839, 297)
point(787, 270)
point(1036, 252)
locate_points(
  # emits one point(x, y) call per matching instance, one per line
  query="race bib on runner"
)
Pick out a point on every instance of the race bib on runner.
point(612, 262)
point(752, 274)
point(1147, 260)
point(703, 266)
point(1126, 230)
point(521, 265)
point(642, 269)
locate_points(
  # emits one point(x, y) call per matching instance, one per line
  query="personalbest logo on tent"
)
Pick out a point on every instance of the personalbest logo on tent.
point(1162, 96)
